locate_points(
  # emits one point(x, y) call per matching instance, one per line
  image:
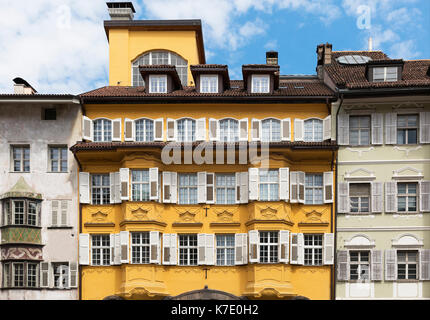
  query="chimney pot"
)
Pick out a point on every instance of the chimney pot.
point(22, 87)
point(272, 57)
point(121, 10)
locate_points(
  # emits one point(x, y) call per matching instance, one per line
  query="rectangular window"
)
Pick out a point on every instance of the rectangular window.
point(32, 214)
point(6, 213)
point(209, 84)
point(407, 129)
point(157, 84)
point(6, 275)
point(140, 185)
point(313, 188)
point(187, 249)
point(58, 159)
point(32, 275)
point(359, 130)
point(383, 74)
point(18, 212)
point(359, 196)
point(144, 130)
point(269, 185)
point(61, 274)
point(407, 197)
point(225, 188)
point(21, 158)
point(100, 248)
point(100, 188)
point(140, 247)
point(188, 188)
point(271, 130)
point(269, 243)
point(313, 130)
point(225, 249)
point(49, 114)
point(102, 130)
point(313, 249)
point(359, 263)
point(18, 274)
point(407, 262)
point(260, 83)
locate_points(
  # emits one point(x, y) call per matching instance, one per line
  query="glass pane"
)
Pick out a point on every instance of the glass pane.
point(412, 136)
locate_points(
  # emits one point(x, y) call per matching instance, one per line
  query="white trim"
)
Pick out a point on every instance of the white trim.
point(160, 76)
point(347, 176)
point(383, 228)
point(397, 176)
point(404, 240)
point(360, 151)
point(260, 76)
point(360, 244)
point(210, 76)
point(384, 161)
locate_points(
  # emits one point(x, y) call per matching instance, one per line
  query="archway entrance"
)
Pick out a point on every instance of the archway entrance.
point(205, 294)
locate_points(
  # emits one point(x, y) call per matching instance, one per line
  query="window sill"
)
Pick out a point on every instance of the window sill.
point(57, 171)
point(59, 227)
point(407, 280)
point(20, 226)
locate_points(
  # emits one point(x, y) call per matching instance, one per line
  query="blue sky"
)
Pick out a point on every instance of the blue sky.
point(59, 46)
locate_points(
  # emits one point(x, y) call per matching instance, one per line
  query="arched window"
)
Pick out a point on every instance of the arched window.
point(102, 130)
point(313, 130)
point(144, 130)
point(229, 130)
point(271, 129)
point(186, 130)
point(159, 57)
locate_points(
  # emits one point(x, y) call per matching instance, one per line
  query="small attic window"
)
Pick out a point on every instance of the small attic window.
point(385, 74)
point(260, 83)
point(49, 114)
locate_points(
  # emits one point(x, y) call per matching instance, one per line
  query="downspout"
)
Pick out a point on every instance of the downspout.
point(80, 205)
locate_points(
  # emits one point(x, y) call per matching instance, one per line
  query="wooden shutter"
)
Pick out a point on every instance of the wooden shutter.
point(44, 274)
point(245, 248)
point(243, 129)
point(328, 187)
point(84, 249)
point(390, 265)
point(159, 129)
point(328, 248)
point(253, 183)
point(213, 129)
point(301, 185)
point(64, 212)
point(87, 128)
point(376, 205)
point(424, 127)
point(254, 246)
point(376, 265)
point(173, 248)
point(201, 187)
point(239, 243)
point(294, 187)
point(125, 243)
point(166, 248)
point(154, 247)
point(171, 130)
point(244, 187)
point(390, 128)
point(284, 174)
point(391, 196)
point(117, 250)
point(173, 187)
point(210, 187)
point(167, 184)
point(54, 212)
point(153, 183)
point(299, 128)
point(286, 129)
point(424, 196)
point(210, 249)
point(112, 248)
point(117, 177)
point(129, 130)
point(238, 189)
point(343, 129)
point(124, 174)
point(300, 248)
point(377, 128)
point(343, 205)
point(424, 264)
point(84, 187)
point(284, 245)
point(327, 128)
point(342, 265)
point(201, 129)
point(294, 253)
point(73, 275)
point(112, 187)
point(116, 129)
point(255, 130)
point(201, 248)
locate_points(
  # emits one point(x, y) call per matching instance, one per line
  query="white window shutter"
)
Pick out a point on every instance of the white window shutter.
point(343, 205)
point(243, 129)
point(112, 248)
point(201, 187)
point(201, 129)
point(166, 248)
point(300, 248)
point(328, 187)
point(117, 250)
point(294, 187)
point(73, 274)
point(245, 248)
point(153, 183)
point(239, 239)
point(210, 249)
point(286, 129)
point(255, 130)
point(254, 246)
point(87, 128)
point(424, 196)
point(154, 247)
point(244, 187)
point(390, 128)
point(424, 127)
point(44, 274)
point(116, 129)
point(284, 245)
point(424, 264)
point(124, 176)
point(167, 185)
point(125, 244)
point(112, 187)
point(173, 249)
point(253, 183)
point(171, 130)
point(377, 128)
point(343, 129)
point(210, 187)
point(391, 265)
point(213, 129)
point(284, 183)
point(342, 265)
point(301, 184)
point(299, 128)
point(54, 212)
point(376, 265)
point(64, 212)
point(201, 248)
point(129, 130)
point(84, 187)
point(294, 253)
point(159, 129)
point(376, 205)
point(84, 249)
point(391, 196)
point(327, 128)
point(238, 189)
point(328, 248)
point(173, 187)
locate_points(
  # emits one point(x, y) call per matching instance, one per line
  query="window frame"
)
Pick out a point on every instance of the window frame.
point(268, 184)
point(144, 133)
point(407, 128)
point(188, 187)
point(226, 247)
point(313, 249)
point(209, 84)
point(54, 275)
point(359, 263)
point(260, 88)
point(360, 129)
point(314, 131)
point(415, 195)
point(369, 196)
point(160, 79)
point(103, 132)
point(385, 73)
point(188, 249)
point(186, 130)
point(314, 188)
point(22, 158)
point(101, 187)
point(407, 263)
point(104, 250)
point(271, 131)
point(10, 275)
point(143, 250)
point(229, 131)
point(272, 247)
point(60, 159)
point(226, 188)
point(142, 184)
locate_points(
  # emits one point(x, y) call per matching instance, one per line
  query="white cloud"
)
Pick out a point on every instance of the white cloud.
point(404, 50)
point(271, 45)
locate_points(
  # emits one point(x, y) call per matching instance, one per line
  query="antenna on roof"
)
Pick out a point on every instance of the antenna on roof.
point(370, 44)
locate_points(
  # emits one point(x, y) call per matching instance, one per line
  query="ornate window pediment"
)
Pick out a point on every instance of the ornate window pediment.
point(407, 240)
point(361, 241)
point(407, 173)
point(361, 174)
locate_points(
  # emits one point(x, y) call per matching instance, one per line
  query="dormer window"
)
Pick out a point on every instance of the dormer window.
point(260, 83)
point(209, 83)
point(385, 74)
point(157, 84)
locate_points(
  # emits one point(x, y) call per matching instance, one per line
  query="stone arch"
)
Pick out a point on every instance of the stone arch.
point(205, 294)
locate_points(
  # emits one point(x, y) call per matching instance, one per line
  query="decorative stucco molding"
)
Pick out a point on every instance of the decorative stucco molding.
point(367, 175)
point(414, 174)
point(407, 240)
point(359, 240)
point(360, 151)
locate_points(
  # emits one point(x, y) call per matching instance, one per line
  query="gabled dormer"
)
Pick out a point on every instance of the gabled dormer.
point(210, 78)
point(260, 78)
point(384, 70)
point(161, 78)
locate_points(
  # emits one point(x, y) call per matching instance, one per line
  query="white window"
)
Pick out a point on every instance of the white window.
point(21, 158)
point(20, 275)
point(144, 130)
point(100, 188)
point(269, 185)
point(140, 250)
point(225, 188)
point(32, 213)
point(100, 248)
point(229, 130)
point(359, 196)
point(209, 83)
point(359, 130)
point(407, 129)
point(260, 83)
point(157, 84)
point(407, 264)
point(382, 74)
point(24, 212)
point(188, 188)
point(58, 159)
point(59, 212)
point(313, 188)
point(313, 130)
point(102, 130)
point(18, 212)
point(61, 274)
point(269, 242)
point(140, 185)
point(186, 130)
point(359, 263)
point(313, 249)
point(271, 130)
point(188, 249)
point(407, 196)
point(225, 249)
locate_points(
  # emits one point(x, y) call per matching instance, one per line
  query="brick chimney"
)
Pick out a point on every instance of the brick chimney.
point(121, 10)
point(324, 52)
point(272, 57)
point(22, 87)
